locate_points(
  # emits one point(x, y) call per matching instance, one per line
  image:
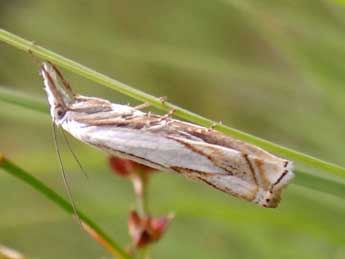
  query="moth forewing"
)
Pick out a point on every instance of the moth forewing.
point(161, 142)
point(266, 177)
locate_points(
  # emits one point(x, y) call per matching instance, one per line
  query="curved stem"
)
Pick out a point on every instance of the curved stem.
point(140, 182)
point(23, 100)
point(88, 224)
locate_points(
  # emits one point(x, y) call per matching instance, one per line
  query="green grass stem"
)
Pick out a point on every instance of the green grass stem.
point(40, 187)
point(298, 157)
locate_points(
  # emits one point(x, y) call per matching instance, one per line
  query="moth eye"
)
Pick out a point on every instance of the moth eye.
point(60, 113)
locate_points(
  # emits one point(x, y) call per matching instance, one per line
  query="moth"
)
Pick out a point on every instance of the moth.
point(168, 144)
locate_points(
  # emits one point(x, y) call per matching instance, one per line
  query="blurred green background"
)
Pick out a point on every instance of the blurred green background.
point(271, 68)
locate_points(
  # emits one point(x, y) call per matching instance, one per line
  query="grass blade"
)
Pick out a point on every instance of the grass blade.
point(320, 184)
point(298, 157)
point(40, 187)
point(23, 100)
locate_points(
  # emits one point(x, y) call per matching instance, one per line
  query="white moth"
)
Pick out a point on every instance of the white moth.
point(196, 152)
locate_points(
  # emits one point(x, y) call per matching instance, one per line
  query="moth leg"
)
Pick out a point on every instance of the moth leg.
point(147, 123)
point(32, 44)
point(163, 99)
point(214, 124)
point(142, 106)
point(159, 123)
point(164, 117)
point(168, 115)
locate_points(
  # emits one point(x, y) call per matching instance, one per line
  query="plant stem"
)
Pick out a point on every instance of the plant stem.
point(140, 183)
point(23, 100)
point(320, 184)
point(39, 186)
point(97, 77)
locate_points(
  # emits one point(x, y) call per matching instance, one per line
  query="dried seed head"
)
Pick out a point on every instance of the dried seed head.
point(125, 167)
point(159, 226)
point(121, 167)
point(146, 230)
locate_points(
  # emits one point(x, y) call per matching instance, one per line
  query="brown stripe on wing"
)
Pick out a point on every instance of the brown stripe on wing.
point(197, 175)
point(64, 81)
point(211, 184)
point(248, 197)
point(52, 87)
point(217, 138)
point(263, 178)
point(125, 121)
point(204, 177)
point(220, 157)
point(184, 170)
point(210, 158)
point(278, 180)
point(251, 168)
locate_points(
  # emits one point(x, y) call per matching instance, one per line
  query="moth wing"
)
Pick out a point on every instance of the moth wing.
point(272, 174)
point(265, 173)
point(240, 179)
point(262, 161)
point(143, 146)
point(171, 154)
point(248, 176)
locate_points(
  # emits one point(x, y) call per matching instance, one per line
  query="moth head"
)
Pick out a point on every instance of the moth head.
point(60, 94)
point(269, 199)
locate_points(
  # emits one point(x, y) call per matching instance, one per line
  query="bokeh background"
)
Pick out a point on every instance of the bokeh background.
point(272, 68)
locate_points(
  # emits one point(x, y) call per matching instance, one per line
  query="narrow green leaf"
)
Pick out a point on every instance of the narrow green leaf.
point(86, 72)
point(320, 184)
point(23, 100)
point(40, 187)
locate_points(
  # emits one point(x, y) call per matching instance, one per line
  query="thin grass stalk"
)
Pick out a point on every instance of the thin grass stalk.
point(298, 157)
point(9, 167)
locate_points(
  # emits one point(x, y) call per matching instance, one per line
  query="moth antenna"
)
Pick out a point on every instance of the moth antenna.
point(74, 155)
point(64, 177)
point(214, 125)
